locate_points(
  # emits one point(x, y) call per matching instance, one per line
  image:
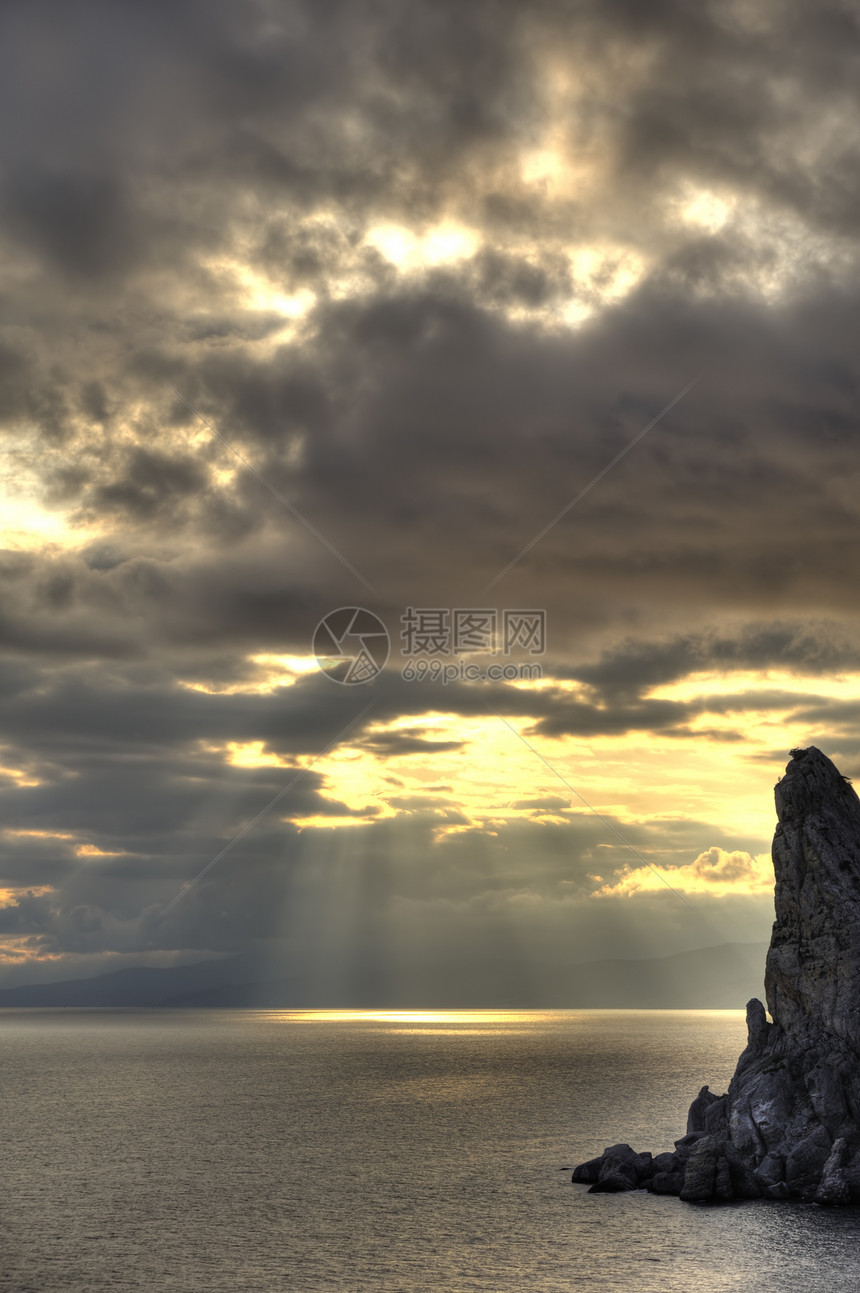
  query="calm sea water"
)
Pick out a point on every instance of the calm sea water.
point(222, 1150)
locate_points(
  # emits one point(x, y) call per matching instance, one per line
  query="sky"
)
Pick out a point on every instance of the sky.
point(410, 305)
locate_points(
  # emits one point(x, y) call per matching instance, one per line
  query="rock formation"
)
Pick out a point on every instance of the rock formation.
point(789, 1124)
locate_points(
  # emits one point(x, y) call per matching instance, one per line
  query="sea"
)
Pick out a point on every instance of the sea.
point(387, 1152)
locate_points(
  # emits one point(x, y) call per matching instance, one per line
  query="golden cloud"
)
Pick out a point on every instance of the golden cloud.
point(715, 872)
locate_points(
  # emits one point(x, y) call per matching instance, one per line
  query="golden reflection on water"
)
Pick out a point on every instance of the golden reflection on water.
point(426, 1022)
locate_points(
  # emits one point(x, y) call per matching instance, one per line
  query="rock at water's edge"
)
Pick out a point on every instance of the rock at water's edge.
point(789, 1124)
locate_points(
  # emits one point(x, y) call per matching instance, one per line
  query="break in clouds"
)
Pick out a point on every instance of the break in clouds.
point(426, 268)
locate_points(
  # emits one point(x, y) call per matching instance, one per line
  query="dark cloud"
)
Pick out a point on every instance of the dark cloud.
point(544, 804)
point(408, 742)
point(629, 668)
point(463, 437)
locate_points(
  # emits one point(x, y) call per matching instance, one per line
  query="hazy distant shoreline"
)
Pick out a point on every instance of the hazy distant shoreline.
point(712, 978)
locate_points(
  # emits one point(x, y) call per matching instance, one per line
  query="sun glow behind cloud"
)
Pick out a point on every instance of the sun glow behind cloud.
point(271, 671)
point(27, 523)
point(705, 209)
point(20, 776)
point(470, 773)
point(412, 250)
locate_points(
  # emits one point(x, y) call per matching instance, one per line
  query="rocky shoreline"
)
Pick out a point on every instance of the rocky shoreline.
point(789, 1125)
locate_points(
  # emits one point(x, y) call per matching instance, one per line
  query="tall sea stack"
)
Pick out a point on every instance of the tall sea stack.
point(789, 1125)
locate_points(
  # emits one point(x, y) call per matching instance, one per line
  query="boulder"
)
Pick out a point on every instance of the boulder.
point(618, 1168)
point(685, 1146)
point(701, 1172)
point(612, 1183)
point(666, 1183)
point(833, 1188)
point(805, 1162)
point(698, 1110)
point(724, 1190)
point(744, 1183)
point(587, 1173)
point(771, 1170)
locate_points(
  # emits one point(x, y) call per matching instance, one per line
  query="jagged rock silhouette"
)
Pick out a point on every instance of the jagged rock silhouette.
point(789, 1124)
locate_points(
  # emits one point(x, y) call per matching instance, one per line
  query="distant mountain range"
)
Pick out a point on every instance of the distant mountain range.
point(723, 977)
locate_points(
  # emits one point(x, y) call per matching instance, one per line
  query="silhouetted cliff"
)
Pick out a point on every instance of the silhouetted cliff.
point(789, 1124)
